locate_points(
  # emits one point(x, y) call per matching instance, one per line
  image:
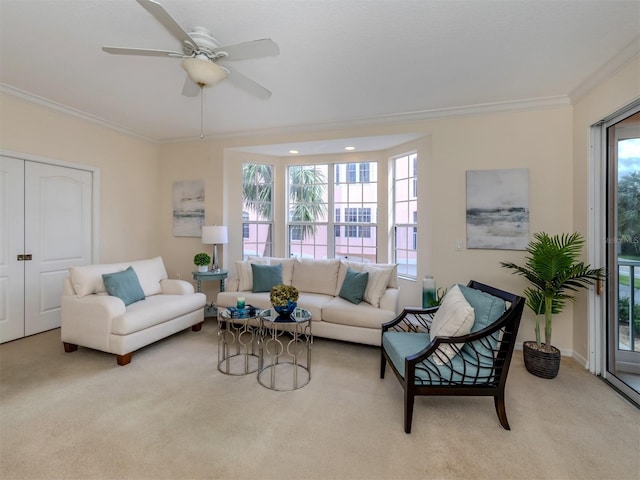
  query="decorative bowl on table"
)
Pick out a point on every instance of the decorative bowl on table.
point(284, 299)
point(285, 311)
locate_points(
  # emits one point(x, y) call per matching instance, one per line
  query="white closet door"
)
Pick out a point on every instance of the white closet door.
point(58, 207)
point(11, 245)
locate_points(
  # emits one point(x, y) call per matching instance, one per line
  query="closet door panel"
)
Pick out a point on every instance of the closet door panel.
point(11, 245)
point(58, 236)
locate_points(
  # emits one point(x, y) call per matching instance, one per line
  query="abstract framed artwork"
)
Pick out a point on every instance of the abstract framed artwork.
point(498, 209)
point(188, 208)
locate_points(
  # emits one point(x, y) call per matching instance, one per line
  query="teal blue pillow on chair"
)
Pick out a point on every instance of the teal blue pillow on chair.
point(487, 309)
point(266, 276)
point(124, 285)
point(354, 285)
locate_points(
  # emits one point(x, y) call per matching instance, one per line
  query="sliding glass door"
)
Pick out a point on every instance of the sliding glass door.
point(622, 137)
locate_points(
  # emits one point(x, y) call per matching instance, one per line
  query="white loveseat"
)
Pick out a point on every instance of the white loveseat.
point(93, 318)
point(319, 283)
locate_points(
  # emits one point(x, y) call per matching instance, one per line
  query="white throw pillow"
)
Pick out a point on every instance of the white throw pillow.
point(287, 268)
point(87, 279)
point(245, 273)
point(377, 285)
point(454, 318)
point(150, 273)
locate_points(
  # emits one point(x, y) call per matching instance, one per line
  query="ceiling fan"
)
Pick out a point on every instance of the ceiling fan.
point(201, 53)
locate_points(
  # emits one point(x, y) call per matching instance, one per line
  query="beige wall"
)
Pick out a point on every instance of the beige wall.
point(540, 140)
point(129, 171)
point(610, 96)
point(137, 180)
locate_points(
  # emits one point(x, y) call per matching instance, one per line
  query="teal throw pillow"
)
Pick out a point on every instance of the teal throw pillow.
point(124, 285)
point(354, 285)
point(487, 308)
point(266, 276)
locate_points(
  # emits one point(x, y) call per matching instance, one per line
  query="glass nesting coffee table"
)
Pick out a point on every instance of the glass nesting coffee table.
point(284, 350)
point(237, 342)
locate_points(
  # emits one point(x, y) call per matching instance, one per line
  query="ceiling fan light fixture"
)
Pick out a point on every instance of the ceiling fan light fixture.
point(203, 71)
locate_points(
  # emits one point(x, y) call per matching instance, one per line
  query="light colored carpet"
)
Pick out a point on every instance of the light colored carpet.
point(171, 415)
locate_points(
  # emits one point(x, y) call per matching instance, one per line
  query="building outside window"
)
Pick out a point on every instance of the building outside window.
point(405, 214)
point(307, 211)
point(257, 210)
point(311, 194)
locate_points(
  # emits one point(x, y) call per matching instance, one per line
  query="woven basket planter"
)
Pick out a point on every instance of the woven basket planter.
point(539, 363)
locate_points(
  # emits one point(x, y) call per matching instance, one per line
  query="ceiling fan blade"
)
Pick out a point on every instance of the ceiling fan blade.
point(162, 16)
point(254, 49)
point(142, 51)
point(190, 88)
point(244, 82)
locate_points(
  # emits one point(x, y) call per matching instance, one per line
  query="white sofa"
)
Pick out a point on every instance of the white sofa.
point(93, 318)
point(319, 283)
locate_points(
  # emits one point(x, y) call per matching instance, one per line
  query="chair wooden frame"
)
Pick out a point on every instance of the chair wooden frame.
point(481, 373)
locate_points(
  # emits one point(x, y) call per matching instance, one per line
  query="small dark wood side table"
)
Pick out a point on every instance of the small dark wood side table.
point(211, 310)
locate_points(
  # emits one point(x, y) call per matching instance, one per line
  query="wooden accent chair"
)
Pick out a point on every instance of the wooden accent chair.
point(476, 364)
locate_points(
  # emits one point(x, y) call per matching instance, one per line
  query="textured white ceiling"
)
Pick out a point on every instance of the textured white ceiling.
point(341, 62)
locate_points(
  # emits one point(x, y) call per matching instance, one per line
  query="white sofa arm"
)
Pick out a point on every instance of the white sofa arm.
point(172, 286)
point(87, 320)
point(389, 300)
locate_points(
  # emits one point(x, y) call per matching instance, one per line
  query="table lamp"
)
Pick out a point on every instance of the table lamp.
point(214, 234)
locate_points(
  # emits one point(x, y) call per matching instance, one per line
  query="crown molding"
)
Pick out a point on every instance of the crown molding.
point(404, 117)
point(607, 70)
point(29, 97)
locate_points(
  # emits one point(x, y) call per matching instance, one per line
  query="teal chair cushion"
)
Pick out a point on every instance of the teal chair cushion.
point(462, 369)
point(487, 310)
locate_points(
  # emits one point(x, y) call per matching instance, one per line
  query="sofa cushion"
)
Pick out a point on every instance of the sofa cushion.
point(150, 273)
point(265, 277)
point(453, 318)
point(315, 303)
point(343, 312)
point(354, 285)
point(124, 285)
point(287, 268)
point(360, 267)
point(377, 284)
point(87, 279)
point(316, 276)
point(154, 310)
point(245, 273)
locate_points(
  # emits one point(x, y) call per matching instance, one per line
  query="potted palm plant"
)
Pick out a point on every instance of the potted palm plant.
point(552, 266)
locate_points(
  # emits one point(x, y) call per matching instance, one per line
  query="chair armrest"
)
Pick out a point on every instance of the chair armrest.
point(172, 286)
point(411, 319)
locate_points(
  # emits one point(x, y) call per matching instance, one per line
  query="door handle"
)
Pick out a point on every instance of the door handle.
point(24, 258)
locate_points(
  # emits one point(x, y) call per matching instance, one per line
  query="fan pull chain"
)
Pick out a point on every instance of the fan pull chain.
point(201, 112)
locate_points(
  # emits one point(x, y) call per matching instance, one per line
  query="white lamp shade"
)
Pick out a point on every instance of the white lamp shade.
point(203, 71)
point(214, 234)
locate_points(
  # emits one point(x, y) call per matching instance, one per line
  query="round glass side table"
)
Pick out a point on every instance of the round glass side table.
point(237, 343)
point(284, 350)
